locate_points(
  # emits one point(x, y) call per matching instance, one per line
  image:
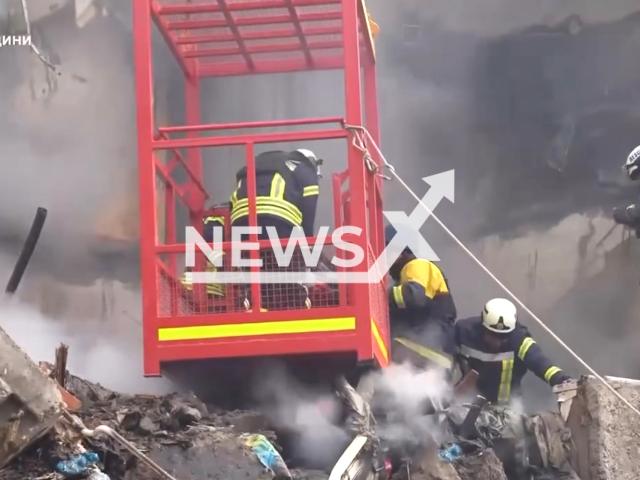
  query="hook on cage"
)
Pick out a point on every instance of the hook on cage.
point(359, 141)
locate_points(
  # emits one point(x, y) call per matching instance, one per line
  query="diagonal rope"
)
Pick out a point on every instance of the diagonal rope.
point(363, 143)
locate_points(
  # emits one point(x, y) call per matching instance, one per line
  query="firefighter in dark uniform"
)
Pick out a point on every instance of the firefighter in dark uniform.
point(215, 291)
point(286, 197)
point(502, 351)
point(421, 308)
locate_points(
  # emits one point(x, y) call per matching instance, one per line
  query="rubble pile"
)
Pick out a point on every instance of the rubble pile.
point(177, 432)
point(481, 465)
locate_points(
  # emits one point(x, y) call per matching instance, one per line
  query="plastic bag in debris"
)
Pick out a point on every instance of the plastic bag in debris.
point(450, 453)
point(268, 455)
point(77, 465)
point(499, 423)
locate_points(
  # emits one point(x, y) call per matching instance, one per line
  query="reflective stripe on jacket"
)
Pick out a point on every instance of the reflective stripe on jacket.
point(286, 188)
point(422, 292)
point(216, 289)
point(501, 372)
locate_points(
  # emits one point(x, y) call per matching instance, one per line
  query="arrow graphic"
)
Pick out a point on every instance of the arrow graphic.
point(408, 228)
point(408, 235)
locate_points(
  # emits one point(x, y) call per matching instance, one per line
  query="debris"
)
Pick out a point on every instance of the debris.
point(450, 453)
point(428, 466)
point(31, 240)
point(98, 475)
point(58, 374)
point(175, 431)
point(268, 455)
point(30, 402)
point(482, 465)
point(60, 369)
point(80, 464)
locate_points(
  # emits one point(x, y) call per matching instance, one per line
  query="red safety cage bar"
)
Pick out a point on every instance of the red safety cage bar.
point(212, 38)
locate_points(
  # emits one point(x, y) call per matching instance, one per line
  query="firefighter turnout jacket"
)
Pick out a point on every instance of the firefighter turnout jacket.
point(286, 193)
point(421, 307)
point(501, 373)
point(422, 292)
point(214, 289)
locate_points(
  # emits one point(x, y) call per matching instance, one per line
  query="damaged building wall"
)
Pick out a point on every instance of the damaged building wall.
point(437, 87)
point(585, 290)
point(51, 130)
point(480, 18)
point(76, 128)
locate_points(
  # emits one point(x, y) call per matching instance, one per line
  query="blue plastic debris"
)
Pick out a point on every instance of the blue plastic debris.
point(263, 449)
point(450, 453)
point(268, 455)
point(78, 465)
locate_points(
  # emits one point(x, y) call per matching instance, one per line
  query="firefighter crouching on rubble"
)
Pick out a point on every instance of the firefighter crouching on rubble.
point(501, 350)
point(286, 198)
point(630, 215)
point(216, 292)
point(421, 310)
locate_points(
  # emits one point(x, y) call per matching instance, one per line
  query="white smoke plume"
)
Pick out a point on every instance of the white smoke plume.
point(308, 417)
point(94, 354)
point(402, 394)
point(314, 418)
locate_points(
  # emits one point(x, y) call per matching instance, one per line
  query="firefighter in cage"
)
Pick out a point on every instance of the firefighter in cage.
point(215, 292)
point(287, 192)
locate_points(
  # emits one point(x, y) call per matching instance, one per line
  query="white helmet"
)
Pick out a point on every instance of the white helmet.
point(632, 166)
point(309, 154)
point(313, 160)
point(499, 315)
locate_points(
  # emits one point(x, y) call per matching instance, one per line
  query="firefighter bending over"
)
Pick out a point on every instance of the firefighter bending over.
point(286, 197)
point(215, 291)
point(421, 307)
point(502, 351)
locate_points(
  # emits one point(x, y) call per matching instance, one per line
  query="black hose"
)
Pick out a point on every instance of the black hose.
point(27, 251)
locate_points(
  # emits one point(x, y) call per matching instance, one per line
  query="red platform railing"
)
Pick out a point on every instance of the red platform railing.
point(315, 31)
point(211, 38)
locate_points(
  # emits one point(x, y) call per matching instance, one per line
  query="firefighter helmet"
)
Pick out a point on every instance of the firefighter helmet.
point(632, 165)
point(313, 160)
point(499, 315)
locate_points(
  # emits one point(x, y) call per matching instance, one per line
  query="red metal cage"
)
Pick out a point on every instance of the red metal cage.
point(212, 38)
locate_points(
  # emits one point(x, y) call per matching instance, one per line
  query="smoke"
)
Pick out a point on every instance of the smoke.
point(308, 417)
point(310, 421)
point(69, 143)
point(402, 395)
point(105, 341)
point(94, 353)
